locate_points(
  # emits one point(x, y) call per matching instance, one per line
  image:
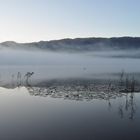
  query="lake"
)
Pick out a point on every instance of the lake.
point(31, 116)
point(47, 95)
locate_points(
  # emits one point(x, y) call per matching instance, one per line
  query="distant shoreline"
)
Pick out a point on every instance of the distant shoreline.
point(79, 44)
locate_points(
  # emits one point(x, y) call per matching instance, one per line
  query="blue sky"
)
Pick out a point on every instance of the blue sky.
point(35, 20)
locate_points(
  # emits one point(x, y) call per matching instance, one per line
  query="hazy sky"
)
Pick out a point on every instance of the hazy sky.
point(34, 20)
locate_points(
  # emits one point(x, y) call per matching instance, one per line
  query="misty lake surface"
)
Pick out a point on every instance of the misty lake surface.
point(28, 112)
point(26, 116)
point(60, 65)
point(97, 66)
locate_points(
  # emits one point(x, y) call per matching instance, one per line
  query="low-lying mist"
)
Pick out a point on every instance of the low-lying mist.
point(53, 65)
point(38, 57)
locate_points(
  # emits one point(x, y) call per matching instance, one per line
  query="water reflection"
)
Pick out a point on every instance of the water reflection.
point(127, 108)
point(86, 90)
point(76, 109)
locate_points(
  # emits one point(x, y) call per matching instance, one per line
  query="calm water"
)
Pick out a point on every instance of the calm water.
point(26, 116)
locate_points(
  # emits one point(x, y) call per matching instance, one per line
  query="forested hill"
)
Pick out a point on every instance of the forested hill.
point(79, 44)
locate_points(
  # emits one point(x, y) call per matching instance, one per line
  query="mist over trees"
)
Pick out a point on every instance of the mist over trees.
point(79, 44)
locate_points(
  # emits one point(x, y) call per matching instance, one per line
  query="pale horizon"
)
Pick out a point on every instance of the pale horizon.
point(32, 21)
point(68, 38)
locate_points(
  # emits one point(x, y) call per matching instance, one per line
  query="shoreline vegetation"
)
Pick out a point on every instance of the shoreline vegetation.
point(85, 90)
point(78, 88)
